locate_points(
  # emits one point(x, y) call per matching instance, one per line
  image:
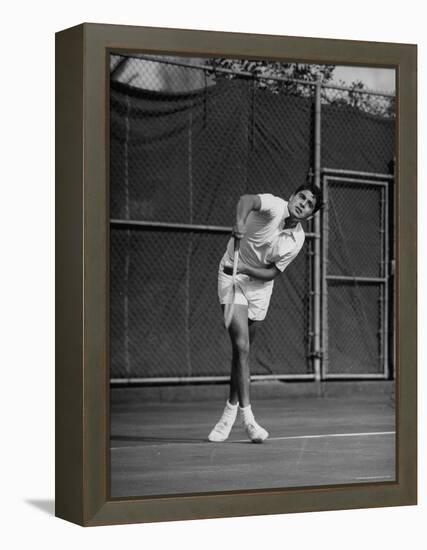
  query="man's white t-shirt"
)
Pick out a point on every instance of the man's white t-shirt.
point(266, 241)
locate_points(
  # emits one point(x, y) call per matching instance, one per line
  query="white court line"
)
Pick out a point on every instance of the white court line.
point(374, 477)
point(318, 436)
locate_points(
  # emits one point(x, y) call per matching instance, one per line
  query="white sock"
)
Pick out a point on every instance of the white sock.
point(247, 414)
point(230, 410)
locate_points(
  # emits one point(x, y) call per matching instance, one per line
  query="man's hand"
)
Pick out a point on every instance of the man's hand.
point(239, 230)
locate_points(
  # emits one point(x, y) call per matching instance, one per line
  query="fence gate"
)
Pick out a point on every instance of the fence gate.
point(355, 278)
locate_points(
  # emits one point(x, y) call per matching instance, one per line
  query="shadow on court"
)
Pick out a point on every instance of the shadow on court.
point(162, 448)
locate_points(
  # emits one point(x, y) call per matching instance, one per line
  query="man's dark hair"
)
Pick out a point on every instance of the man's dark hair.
point(316, 192)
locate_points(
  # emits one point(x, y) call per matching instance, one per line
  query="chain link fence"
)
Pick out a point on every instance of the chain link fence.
point(188, 137)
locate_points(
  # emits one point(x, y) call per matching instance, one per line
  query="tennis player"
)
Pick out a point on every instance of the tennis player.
point(271, 236)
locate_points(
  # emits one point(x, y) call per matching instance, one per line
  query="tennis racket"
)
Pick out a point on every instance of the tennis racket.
point(229, 308)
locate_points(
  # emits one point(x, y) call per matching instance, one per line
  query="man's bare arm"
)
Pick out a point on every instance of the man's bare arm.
point(263, 273)
point(246, 204)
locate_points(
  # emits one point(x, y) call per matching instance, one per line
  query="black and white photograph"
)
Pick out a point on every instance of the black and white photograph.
point(212, 262)
point(252, 258)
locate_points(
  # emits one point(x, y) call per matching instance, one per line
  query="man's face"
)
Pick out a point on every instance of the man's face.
point(302, 204)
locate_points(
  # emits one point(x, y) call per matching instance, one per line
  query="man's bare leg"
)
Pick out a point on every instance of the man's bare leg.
point(242, 335)
point(234, 397)
point(240, 378)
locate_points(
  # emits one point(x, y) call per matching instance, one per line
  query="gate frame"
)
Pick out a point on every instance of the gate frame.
point(372, 179)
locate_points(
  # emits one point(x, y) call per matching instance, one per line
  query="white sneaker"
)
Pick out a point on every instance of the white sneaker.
point(255, 432)
point(222, 428)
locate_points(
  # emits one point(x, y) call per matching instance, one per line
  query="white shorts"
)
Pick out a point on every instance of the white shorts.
point(250, 292)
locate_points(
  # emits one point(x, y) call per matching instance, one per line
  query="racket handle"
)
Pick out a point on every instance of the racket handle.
point(229, 308)
point(236, 258)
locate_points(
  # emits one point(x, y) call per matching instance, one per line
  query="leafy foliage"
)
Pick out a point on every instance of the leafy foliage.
point(276, 76)
point(359, 97)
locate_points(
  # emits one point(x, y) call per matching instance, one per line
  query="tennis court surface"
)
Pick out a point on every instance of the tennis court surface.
point(160, 448)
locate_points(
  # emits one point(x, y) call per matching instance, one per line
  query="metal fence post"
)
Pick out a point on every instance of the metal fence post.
point(317, 266)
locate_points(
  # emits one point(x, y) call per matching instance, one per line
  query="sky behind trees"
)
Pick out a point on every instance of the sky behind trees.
point(380, 80)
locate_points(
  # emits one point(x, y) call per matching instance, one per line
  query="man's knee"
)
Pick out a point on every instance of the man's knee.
point(242, 346)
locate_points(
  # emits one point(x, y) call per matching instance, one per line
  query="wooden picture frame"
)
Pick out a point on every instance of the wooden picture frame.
point(82, 233)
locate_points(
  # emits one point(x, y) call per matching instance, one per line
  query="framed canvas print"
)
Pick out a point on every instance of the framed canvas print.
point(236, 274)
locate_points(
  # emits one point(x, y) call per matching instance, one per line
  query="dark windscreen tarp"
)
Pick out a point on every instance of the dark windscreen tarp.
point(186, 158)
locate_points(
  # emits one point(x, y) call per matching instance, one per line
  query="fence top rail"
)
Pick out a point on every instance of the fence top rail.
point(253, 75)
point(213, 69)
